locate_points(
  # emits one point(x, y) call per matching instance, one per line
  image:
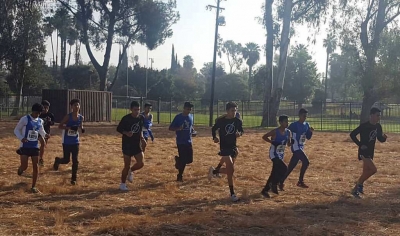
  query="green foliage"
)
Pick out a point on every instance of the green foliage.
point(231, 87)
point(233, 53)
point(83, 77)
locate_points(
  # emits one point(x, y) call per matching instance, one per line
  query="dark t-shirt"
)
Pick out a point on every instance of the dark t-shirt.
point(368, 135)
point(48, 120)
point(129, 123)
point(227, 129)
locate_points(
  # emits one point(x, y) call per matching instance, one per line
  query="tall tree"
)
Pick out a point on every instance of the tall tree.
point(233, 52)
point(251, 53)
point(145, 22)
point(188, 62)
point(330, 44)
point(363, 22)
point(289, 11)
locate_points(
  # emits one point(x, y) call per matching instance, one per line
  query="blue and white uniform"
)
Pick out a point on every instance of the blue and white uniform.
point(29, 128)
point(71, 137)
point(147, 124)
point(301, 132)
point(278, 145)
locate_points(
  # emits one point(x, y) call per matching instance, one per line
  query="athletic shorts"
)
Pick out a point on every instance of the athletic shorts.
point(132, 150)
point(360, 156)
point(30, 152)
point(229, 152)
point(185, 152)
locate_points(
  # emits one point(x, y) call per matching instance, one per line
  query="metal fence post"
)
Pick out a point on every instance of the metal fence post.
point(194, 112)
point(217, 108)
point(322, 104)
point(170, 110)
point(158, 110)
point(350, 115)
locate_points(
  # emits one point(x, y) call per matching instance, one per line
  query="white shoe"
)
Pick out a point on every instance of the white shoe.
point(123, 187)
point(210, 173)
point(234, 198)
point(130, 176)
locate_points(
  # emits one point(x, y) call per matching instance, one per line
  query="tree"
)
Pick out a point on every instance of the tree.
point(123, 22)
point(206, 73)
point(231, 87)
point(188, 62)
point(301, 11)
point(82, 77)
point(330, 44)
point(362, 25)
point(233, 52)
point(301, 76)
point(251, 53)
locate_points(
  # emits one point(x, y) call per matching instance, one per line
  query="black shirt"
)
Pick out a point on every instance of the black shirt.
point(227, 131)
point(368, 135)
point(129, 123)
point(48, 120)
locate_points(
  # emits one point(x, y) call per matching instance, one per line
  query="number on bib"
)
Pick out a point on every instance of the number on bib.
point(280, 149)
point(32, 135)
point(302, 139)
point(72, 132)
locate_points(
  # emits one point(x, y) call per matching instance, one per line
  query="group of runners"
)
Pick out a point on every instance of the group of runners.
point(135, 128)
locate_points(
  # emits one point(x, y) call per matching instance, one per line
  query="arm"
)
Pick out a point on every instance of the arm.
point(240, 128)
point(214, 129)
point(174, 125)
point(290, 139)
point(267, 136)
point(381, 137)
point(18, 129)
point(81, 126)
point(51, 122)
point(309, 132)
point(42, 132)
point(120, 128)
point(63, 123)
point(353, 135)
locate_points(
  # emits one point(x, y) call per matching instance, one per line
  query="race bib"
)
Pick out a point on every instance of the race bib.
point(32, 135)
point(302, 140)
point(280, 150)
point(72, 133)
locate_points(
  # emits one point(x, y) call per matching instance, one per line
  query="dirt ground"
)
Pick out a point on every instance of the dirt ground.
point(157, 205)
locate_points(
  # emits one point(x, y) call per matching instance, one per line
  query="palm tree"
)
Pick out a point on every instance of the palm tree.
point(330, 44)
point(251, 53)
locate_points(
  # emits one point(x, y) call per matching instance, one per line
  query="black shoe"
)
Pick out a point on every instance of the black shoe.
point(55, 166)
point(41, 162)
point(20, 171)
point(19, 152)
point(176, 162)
point(73, 182)
point(281, 187)
point(264, 192)
point(274, 188)
point(179, 178)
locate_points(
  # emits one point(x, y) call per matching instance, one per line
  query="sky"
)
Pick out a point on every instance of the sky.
point(194, 33)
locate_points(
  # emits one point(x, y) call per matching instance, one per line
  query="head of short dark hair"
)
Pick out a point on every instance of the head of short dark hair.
point(230, 105)
point(374, 110)
point(134, 104)
point(37, 107)
point(45, 103)
point(283, 118)
point(74, 101)
point(147, 105)
point(303, 111)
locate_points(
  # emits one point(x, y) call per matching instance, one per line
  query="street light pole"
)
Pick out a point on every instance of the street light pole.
point(147, 65)
point(217, 22)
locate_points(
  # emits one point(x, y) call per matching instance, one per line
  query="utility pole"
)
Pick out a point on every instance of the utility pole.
point(147, 65)
point(151, 62)
point(218, 21)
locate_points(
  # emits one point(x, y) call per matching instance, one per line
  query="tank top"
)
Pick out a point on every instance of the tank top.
point(32, 133)
point(278, 145)
point(71, 137)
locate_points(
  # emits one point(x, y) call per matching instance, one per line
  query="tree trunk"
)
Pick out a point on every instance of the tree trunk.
point(52, 50)
point(284, 46)
point(63, 52)
point(249, 82)
point(56, 50)
point(326, 78)
point(368, 102)
point(69, 55)
point(269, 25)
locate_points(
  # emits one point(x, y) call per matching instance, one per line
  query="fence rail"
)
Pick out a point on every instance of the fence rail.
point(336, 116)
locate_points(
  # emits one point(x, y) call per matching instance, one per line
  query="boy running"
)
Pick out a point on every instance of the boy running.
point(48, 119)
point(278, 138)
point(301, 132)
point(369, 132)
point(28, 130)
point(148, 123)
point(229, 129)
point(183, 127)
point(130, 127)
point(70, 125)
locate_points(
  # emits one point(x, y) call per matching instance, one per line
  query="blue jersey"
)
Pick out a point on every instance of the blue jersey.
point(183, 136)
point(147, 124)
point(301, 132)
point(71, 137)
point(29, 128)
point(278, 144)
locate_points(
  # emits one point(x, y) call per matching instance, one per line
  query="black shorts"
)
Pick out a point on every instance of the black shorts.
point(185, 152)
point(30, 152)
point(232, 152)
point(365, 156)
point(132, 150)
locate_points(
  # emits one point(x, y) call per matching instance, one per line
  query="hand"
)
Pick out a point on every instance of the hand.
point(83, 130)
point(363, 147)
point(24, 140)
point(47, 136)
point(216, 140)
point(129, 134)
point(311, 129)
point(238, 134)
point(48, 119)
point(385, 136)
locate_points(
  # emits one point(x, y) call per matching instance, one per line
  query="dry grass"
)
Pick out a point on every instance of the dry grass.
point(157, 205)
